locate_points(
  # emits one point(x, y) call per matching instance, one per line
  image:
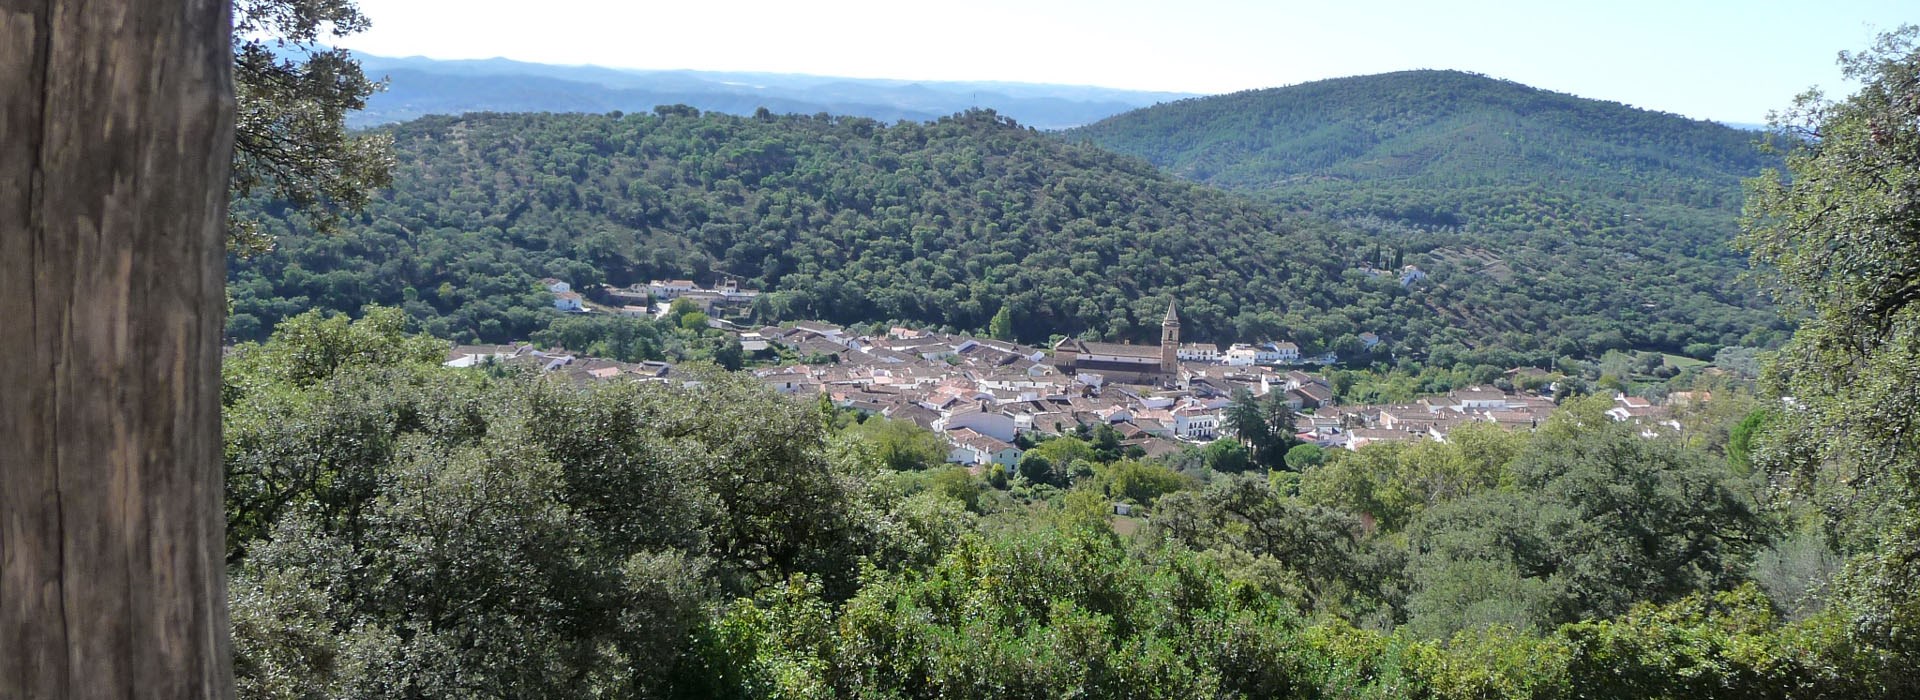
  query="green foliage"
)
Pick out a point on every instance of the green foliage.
point(471, 570)
point(1105, 442)
point(1877, 597)
point(293, 94)
point(1393, 482)
point(1797, 572)
point(1538, 213)
point(1046, 614)
point(848, 220)
point(1305, 456)
point(919, 529)
point(406, 529)
point(1052, 462)
point(958, 484)
point(1038, 469)
point(900, 445)
point(1407, 382)
point(1840, 234)
point(728, 353)
point(1597, 518)
point(1495, 662)
point(841, 219)
point(1140, 482)
point(285, 644)
point(1740, 441)
point(1741, 361)
point(612, 337)
point(1726, 644)
point(1349, 126)
point(1001, 327)
point(1479, 562)
point(1246, 514)
point(997, 475)
point(1264, 424)
point(1228, 456)
point(313, 346)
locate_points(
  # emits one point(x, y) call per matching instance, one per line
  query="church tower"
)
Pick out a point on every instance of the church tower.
point(1170, 344)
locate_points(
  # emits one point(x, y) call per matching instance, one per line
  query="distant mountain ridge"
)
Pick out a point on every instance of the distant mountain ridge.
point(420, 86)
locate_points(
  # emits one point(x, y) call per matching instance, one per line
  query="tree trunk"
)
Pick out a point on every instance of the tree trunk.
point(116, 129)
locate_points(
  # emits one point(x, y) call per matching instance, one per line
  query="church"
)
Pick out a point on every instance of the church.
point(1125, 363)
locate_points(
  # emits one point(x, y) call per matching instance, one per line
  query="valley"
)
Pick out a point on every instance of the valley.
point(545, 380)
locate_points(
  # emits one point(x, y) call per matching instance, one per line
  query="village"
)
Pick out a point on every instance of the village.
point(982, 395)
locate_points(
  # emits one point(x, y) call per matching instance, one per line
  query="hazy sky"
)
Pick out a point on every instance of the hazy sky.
point(1731, 61)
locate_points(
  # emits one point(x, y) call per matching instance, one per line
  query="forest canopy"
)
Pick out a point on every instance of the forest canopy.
point(947, 224)
point(1589, 208)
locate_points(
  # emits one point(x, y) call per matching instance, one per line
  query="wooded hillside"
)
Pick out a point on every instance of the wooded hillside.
point(1593, 207)
point(850, 220)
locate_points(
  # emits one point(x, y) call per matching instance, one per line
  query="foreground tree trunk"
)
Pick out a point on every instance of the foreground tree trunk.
point(116, 129)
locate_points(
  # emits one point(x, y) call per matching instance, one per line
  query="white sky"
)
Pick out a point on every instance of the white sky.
point(1731, 61)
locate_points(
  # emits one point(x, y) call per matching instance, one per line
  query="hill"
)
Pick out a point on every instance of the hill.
point(851, 220)
point(1503, 189)
point(1443, 127)
point(421, 86)
point(844, 219)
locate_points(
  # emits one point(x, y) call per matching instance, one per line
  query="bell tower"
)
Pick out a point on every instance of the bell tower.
point(1170, 343)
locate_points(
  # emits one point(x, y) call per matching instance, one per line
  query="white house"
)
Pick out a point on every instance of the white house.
point(1196, 422)
point(1241, 355)
point(731, 291)
point(568, 301)
point(1479, 398)
point(1284, 352)
point(994, 424)
point(973, 448)
point(1156, 402)
point(1114, 414)
point(556, 286)
point(936, 352)
point(829, 333)
point(1198, 352)
point(786, 382)
point(475, 355)
point(1643, 412)
point(668, 289)
point(635, 295)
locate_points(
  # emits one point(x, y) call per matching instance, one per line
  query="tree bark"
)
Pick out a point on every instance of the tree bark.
point(116, 131)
